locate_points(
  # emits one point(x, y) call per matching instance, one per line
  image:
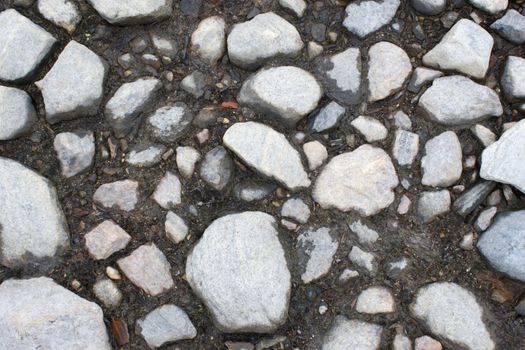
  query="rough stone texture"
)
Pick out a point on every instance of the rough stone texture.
point(176, 228)
point(352, 334)
point(360, 180)
point(430, 205)
point(74, 86)
point(366, 17)
point(250, 191)
point(364, 234)
point(456, 100)
point(429, 7)
point(375, 300)
point(147, 268)
point(388, 68)
point(513, 78)
point(511, 27)
point(465, 48)
point(490, 6)
point(145, 156)
point(287, 93)
point(363, 259)
point(296, 6)
point(107, 291)
point(297, 209)
point(37, 313)
point(105, 239)
point(217, 168)
point(427, 343)
point(194, 83)
point(452, 312)
point(483, 134)
point(421, 76)
point(315, 153)
point(504, 161)
point(402, 121)
point(128, 102)
point(371, 129)
point(401, 342)
point(252, 43)
point(255, 298)
point(209, 39)
point(121, 194)
point(62, 13)
point(17, 113)
point(24, 46)
point(75, 151)
point(502, 244)
point(405, 148)
point(268, 152)
point(167, 323)
point(327, 118)
point(485, 219)
point(472, 198)
point(164, 45)
point(168, 191)
point(186, 159)
point(132, 12)
point(169, 123)
point(442, 163)
point(32, 224)
point(316, 249)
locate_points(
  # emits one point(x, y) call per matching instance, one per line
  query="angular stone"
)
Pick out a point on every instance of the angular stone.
point(145, 155)
point(421, 76)
point(490, 6)
point(217, 168)
point(297, 209)
point(442, 163)
point(364, 234)
point(471, 199)
point(17, 114)
point(106, 239)
point(404, 205)
point(209, 39)
point(168, 191)
point(513, 78)
point(485, 219)
point(121, 194)
point(363, 259)
point(402, 121)
point(375, 300)
point(255, 298)
point(430, 205)
point(170, 123)
point(366, 17)
point(296, 6)
point(133, 12)
point(485, 136)
point(352, 334)
point(62, 13)
point(194, 84)
point(165, 46)
point(401, 342)
point(250, 191)
point(176, 228)
point(429, 7)
point(405, 148)
point(327, 118)
point(315, 153)
point(427, 343)
point(75, 151)
point(371, 129)
point(107, 291)
point(316, 249)
point(511, 27)
point(186, 159)
point(268, 152)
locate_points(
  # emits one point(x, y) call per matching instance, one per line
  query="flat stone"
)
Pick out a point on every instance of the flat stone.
point(429, 7)
point(252, 43)
point(128, 102)
point(176, 228)
point(168, 192)
point(24, 45)
point(361, 180)
point(186, 158)
point(388, 68)
point(209, 39)
point(170, 123)
point(147, 268)
point(352, 334)
point(456, 100)
point(217, 168)
point(296, 209)
point(327, 118)
point(106, 239)
point(144, 156)
point(442, 163)
point(296, 6)
point(513, 78)
point(347, 275)
point(315, 153)
point(37, 313)
point(62, 13)
point(250, 191)
point(432, 204)
point(74, 86)
point(465, 48)
point(75, 151)
point(371, 129)
point(511, 27)
point(256, 297)
point(108, 293)
point(133, 12)
point(316, 250)
point(375, 300)
point(364, 260)
point(490, 6)
point(422, 76)
point(471, 199)
point(194, 84)
point(364, 234)
point(17, 114)
point(167, 323)
point(405, 148)
point(452, 312)
point(286, 93)
point(366, 17)
point(121, 194)
point(502, 242)
point(268, 152)
point(164, 45)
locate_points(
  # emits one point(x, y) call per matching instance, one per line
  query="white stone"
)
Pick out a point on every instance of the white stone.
point(401, 342)
point(363, 259)
point(364, 234)
point(145, 156)
point(186, 158)
point(106, 239)
point(372, 129)
point(513, 78)
point(315, 153)
point(164, 45)
point(430, 205)
point(427, 343)
point(347, 334)
point(107, 291)
point(75, 151)
point(209, 39)
point(347, 274)
point(421, 76)
point(314, 49)
point(121, 194)
point(170, 123)
point(217, 168)
point(168, 191)
point(511, 27)
point(404, 205)
point(442, 163)
point(402, 121)
point(490, 6)
point(132, 12)
point(485, 218)
point(296, 6)
point(375, 300)
point(405, 148)
point(62, 13)
point(483, 134)
point(17, 113)
point(176, 228)
point(366, 17)
point(318, 247)
point(194, 83)
point(297, 209)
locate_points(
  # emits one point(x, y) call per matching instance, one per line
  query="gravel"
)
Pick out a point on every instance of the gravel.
point(432, 204)
point(472, 198)
point(75, 151)
point(106, 239)
point(168, 192)
point(17, 114)
point(145, 155)
point(186, 159)
point(429, 7)
point(176, 228)
point(327, 118)
point(363, 259)
point(108, 293)
point(405, 148)
point(315, 153)
point(121, 194)
point(371, 129)
point(422, 76)
point(217, 168)
point(296, 6)
point(170, 123)
point(490, 6)
point(296, 209)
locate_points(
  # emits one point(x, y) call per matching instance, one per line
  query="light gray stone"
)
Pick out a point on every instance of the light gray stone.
point(364, 234)
point(296, 6)
point(170, 123)
point(347, 275)
point(513, 78)
point(133, 12)
point(429, 7)
point(365, 17)
point(430, 205)
point(371, 129)
point(297, 209)
point(145, 155)
point(17, 113)
point(209, 39)
point(327, 118)
point(256, 297)
point(485, 136)
point(485, 219)
point(452, 312)
point(62, 13)
point(165, 46)
point(176, 228)
point(442, 163)
point(511, 27)
point(421, 76)
point(401, 342)
point(121, 194)
point(402, 121)
point(427, 343)
point(37, 313)
point(106, 239)
point(315, 153)
point(168, 192)
point(194, 84)
point(404, 205)
point(217, 168)
point(186, 159)
point(314, 49)
point(375, 300)
point(316, 249)
point(490, 6)
point(405, 148)
point(472, 198)
point(75, 151)
point(352, 334)
point(363, 259)
point(250, 191)
point(108, 293)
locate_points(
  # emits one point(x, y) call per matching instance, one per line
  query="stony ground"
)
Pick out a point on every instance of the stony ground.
point(262, 174)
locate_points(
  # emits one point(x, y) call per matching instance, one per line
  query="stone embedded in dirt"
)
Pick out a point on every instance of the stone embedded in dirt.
point(75, 151)
point(147, 268)
point(352, 334)
point(32, 225)
point(217, 168)
point(164, 45)
point(169, 123)
point(286, 93)
point(371, 129)
point(511, 27)
point(452, 312)
point(503, 161)
point(375, 300)
point(341, 75)
point(176, 228)
point(316, 250)
point(186, 158)
point(361, 180)
point(267, 35)
point(513, 78)
point(37, 313)
point(442, 163)
point(432, 204)
point(401, 342)
point(466, 48)
point(501, 242)
point(363, 259)
point(17, 114)
point(405, 148)
point(485, 136)
point(346, 275)
point(108, 293)
point(364, 234)
point(145, 155)
point(106, 239)
point(209, 39)
point(421, 76)
point(490, 6)
point(296, 6)
point(168, 192)
point(314, 49)
point(485, 219)
point(471, 199)
point(388, 68)
point(165, 324)
point(402, 121)
point(250, 191)
point(268, 152)
point(24, 46)
point(128, 102)
point(121, 194)
point(296, 209)
point(366, 17)
point(255, 297)
point(456, 100)
point(133, 12)
point(74, 86)
point(194, 83)
point(427, 343)
point(404, 205)
point(315, 153)
point(429, 7)
point(327, 118)
point(62, 13)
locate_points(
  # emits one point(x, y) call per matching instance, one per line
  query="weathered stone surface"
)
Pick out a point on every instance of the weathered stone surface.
point(105, 239)
point(472, 198)
point(169, 123)
point(186, 159)
point(405, 148)
point(250, 191)
point(442, 163)
point(62, 13)
point(132, 12)
point(194, 83)
point(168, 191)
point(364, 234)
point(164, 45)
point(360, 180)
point(296, 6)
point(297, 209)
point(327, 118)
point(375, 300)
point(363, 259)
point(401, 342)
point(315, 153)
point(217, 168)
point(366, 17)
point(209, 39)
point(352, 334)
point(430, 205)
point(490, 6)
point(371, 129)
point(32, 224)
point(421, 76)
point(121, 194)
point(402, 120)
point(17, 113)
point(75, 151)
point(176, 228)
point(255, 298)
point(429, 7)
point(108, 293)
point(252, 43)
point(485, 219)
point(287, 93)
point(144, 156)
point(465, 48)
point(37, 313)
point(511, 27)
point(456, 100)
point(452, 312)
point(268, 152)
point(485, 136)
point(24, 46)
point(316, 249)
point(427, 343)
point(513, 78)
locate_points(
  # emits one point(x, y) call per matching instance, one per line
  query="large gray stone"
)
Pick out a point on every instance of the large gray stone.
point(442, 163)
point(348, 334)
point(17, 113)
point(208, 40)
point(316, 249)
point(131, 12)
point(37, 313)
point(75, 151)
point(169, 123)
point(365, 17)
point(62, 13)
point(513, 78)
point(32, 225)
point(239, 271)
point(490, 6)
point(511, 27)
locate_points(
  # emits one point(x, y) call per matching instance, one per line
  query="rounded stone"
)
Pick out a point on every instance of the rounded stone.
point(17, 113)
